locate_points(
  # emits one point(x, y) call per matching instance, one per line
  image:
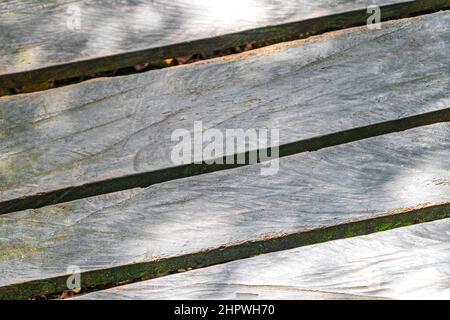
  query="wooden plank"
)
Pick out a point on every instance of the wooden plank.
point(111, 129)
point(43, 41)
point(215, 290)
point(406, 263)
point(404, 177)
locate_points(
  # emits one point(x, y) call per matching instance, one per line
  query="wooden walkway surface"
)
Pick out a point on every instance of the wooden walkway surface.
point(87, 178)
point(407, 263)
point(108, 131)
point(403, 176)
point(52, 40)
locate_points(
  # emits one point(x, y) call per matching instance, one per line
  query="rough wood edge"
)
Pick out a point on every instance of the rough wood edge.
point(272, 34)
point(107, 278)
point(146, 179)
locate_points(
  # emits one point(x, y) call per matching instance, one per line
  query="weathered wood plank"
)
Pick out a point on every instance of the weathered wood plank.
point(216, 290)
point(407, 263)
point(42, 40)
point(106, 129)
point(131, 230)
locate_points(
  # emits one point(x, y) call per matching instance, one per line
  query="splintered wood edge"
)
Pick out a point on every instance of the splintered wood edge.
point(273, 34)
point(107, 278)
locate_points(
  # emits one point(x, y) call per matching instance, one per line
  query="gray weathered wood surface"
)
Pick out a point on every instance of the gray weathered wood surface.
point(108, 128)
point(186, 289)
point(406, 263)
point(324, 188)
point(37, 34)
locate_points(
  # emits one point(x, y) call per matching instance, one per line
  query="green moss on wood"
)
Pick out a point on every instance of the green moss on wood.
point(101, 279)
point(267, 35)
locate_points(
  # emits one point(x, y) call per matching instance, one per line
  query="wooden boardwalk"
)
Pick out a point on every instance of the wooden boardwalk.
point(87, 176)
point(44, 41)
point(408, 263)
point(68, 137)
point(403, 176)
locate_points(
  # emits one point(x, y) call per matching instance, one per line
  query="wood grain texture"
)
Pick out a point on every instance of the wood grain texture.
point(338, 185)
point(116, 127)
point(406, 263)
point(37, 35)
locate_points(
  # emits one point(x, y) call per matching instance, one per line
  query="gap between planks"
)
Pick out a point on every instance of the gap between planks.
point(126, 274)
point(146, 179)
point(265, 36)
